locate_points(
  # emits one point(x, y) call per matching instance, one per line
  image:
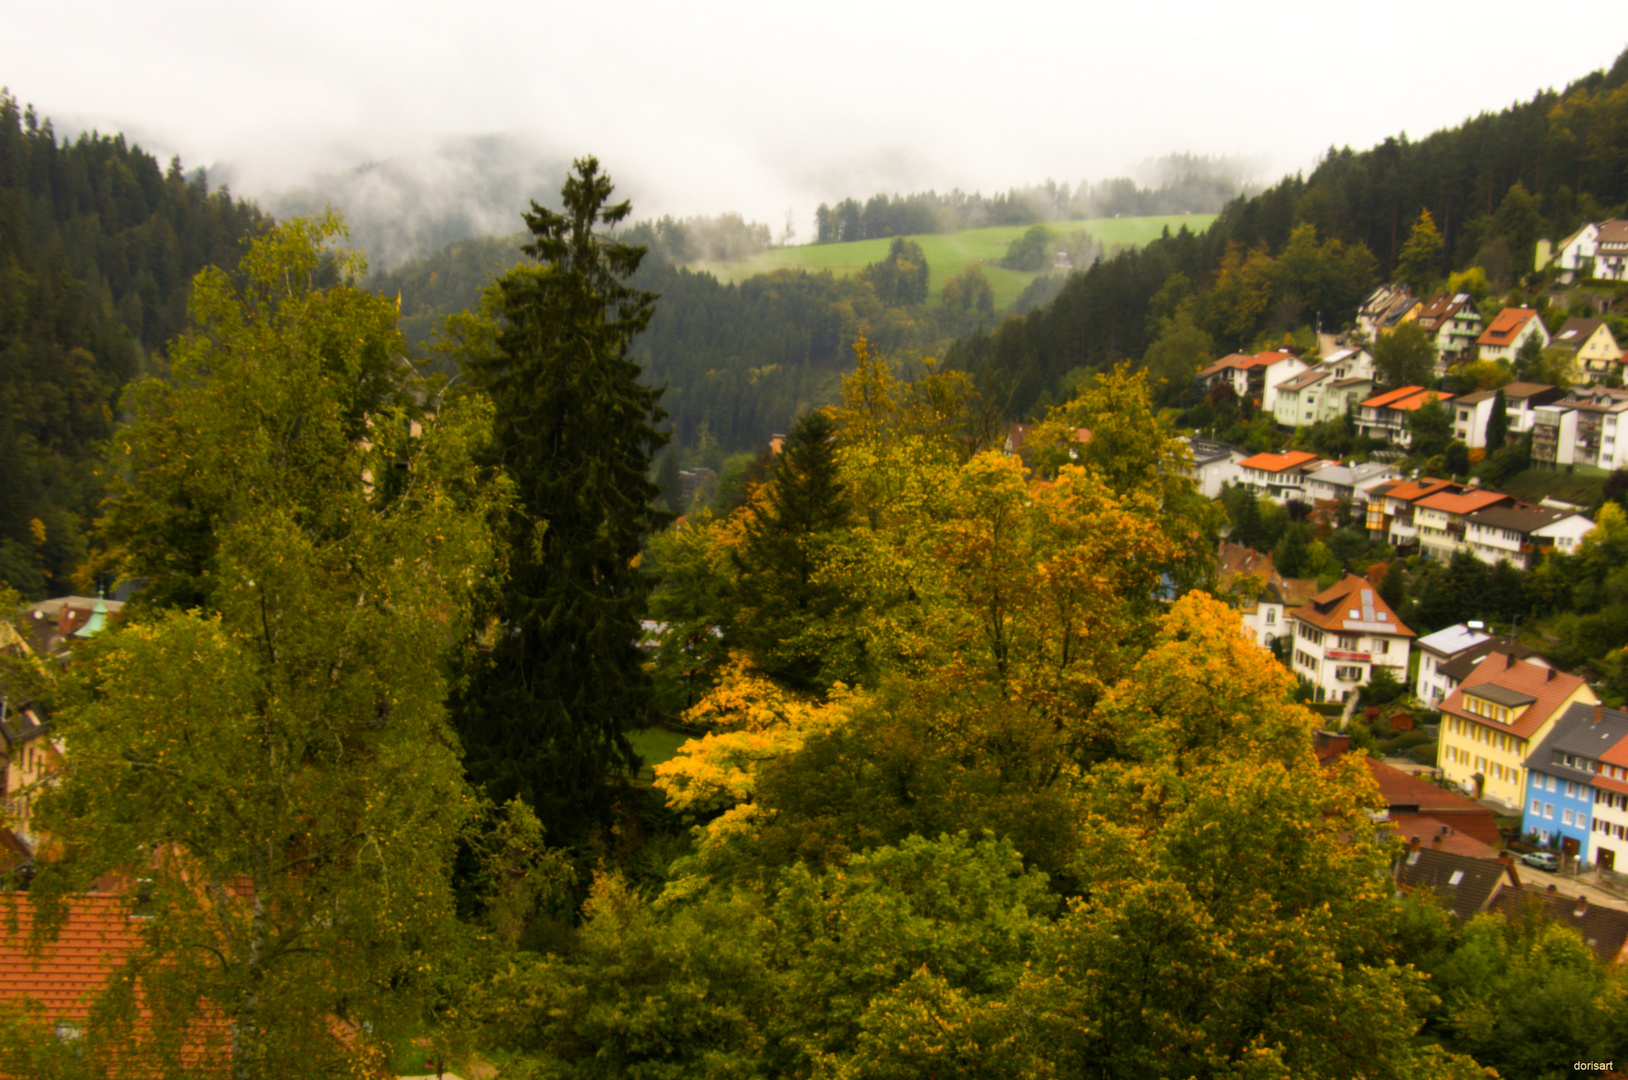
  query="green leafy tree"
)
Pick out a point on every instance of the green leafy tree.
point(543, 714)
point(1176, 355)
point(1031, 251)
point(1431, 426)
point(276, 768)
point(1420, 262)
point(1393, 587)
point(1405, 356)
point(900, 280)
point(969, 291)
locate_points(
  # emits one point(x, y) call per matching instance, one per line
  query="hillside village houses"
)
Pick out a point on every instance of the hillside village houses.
point(1514, 534)
point(1215, 465)
point(1598, 250)
point(1342, 634)
point(1386, 308)
point(1573, 795)
point(1491, 723)
point(1508, 331)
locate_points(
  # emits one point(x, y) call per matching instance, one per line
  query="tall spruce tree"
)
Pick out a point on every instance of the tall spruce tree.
point(544, 712)
point(1498, 422)
point(787, 618)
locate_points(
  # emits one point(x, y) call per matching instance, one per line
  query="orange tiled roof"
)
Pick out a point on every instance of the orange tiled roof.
point(1549, 686)
point(1413, 490)
point(97, 937)
point(1466, 503)
point(1505, 326)
point(1277, 462)
point(1419, 401)
point(1332, 610)
point(1382, 400)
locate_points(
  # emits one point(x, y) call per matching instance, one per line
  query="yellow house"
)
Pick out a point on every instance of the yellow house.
point(1598, 356)
point(1490, 723)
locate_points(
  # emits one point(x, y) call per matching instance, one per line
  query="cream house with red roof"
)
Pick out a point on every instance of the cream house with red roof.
point(1439, 519)
point(1278, 476)
point(1391, 508)
point(1385, 415)
point(1255, 376)
point(1342, 634)
point(1508, 331)
point(1493, 720)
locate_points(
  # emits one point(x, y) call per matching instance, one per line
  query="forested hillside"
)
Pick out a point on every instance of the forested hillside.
point(1493, 185)
point(98, 246)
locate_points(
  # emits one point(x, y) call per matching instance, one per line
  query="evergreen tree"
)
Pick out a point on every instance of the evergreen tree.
point(544, 713)
point(786, 616)
point(1498, 422)
point(1393, 589)
point(1420, 261)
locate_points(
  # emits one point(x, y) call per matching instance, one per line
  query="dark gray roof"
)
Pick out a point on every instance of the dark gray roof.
point(1474, 397)
point(1522, 519)
point(1501, 695)
point(1465, 885)
point(1458, 669)
point(1603, 929)
point(1578, 733)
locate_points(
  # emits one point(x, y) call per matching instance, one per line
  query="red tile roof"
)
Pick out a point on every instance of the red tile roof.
point(1381, 400)
point(1407, 795)
point(1332, 610)
point(1277, 462)
point(1467, 502)
point(1504, 328)
point(98, 936)
point(1414, 490)
point(1549, 686)
point(1419, 401)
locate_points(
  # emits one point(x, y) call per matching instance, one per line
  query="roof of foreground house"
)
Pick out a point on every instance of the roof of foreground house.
point(1503, 679)
point(1352, 606)
point(97, 937)
point(1505, 326)
point(1603, 929)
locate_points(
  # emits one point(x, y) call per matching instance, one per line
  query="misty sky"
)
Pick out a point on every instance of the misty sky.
point(710, 105)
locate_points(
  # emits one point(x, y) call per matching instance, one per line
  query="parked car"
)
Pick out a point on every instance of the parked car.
point(1543, 860)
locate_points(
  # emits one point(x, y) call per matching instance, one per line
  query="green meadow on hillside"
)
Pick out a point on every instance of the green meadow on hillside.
point(949, 253)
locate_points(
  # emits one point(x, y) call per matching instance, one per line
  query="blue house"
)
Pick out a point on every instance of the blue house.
point(1560, 777)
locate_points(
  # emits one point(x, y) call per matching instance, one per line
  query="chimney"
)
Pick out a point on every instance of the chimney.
point(1599, 713)
point(1414, 846)
point(1549, 677)
point(1551, 890)
point(1435, 842)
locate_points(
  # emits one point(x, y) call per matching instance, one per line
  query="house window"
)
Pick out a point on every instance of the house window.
point(1565, 817)
point(1271, 616)
point(1571, 788)
point(1549, 810)
point(1348, 643)
point(1537, 807)
point(1382, 646)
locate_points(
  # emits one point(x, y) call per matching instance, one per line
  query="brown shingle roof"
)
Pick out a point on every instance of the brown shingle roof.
point(1548, 686)
point(1464, 885)
point(1603, 929)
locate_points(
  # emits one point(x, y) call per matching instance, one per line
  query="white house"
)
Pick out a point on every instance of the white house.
point(1342, 634)
point(1278, 476)
point(1440, 519)
point(1589, 426)
point(1513, 534)
point(1215, 465)
point(1575, 254)
point(1337, 482)
point(1385, 308)
point(1295, 403)
point(1508, 331)
point(1611, 251)
point(1386, 415)
point(1439, 649)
